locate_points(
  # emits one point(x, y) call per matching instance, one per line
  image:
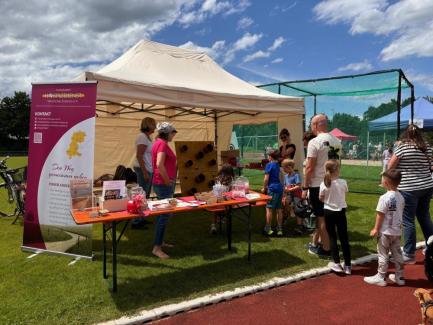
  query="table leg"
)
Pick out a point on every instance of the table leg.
point(229, 228)
point(249, 232)
point(114, 252)
point(104, 245)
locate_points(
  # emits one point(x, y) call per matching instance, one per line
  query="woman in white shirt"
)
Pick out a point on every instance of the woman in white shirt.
point(143, 162)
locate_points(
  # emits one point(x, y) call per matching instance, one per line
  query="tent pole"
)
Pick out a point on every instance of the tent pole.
point(398, 104)
point(215, 119)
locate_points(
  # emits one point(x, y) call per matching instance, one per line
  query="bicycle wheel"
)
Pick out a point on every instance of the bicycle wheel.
point(7, 200)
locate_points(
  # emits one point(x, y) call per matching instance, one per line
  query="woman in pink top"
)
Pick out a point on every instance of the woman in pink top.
point(164, 180)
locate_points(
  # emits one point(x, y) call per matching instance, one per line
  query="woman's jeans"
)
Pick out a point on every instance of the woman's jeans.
point(145, 185)
point(417, 203)
point(162, 192)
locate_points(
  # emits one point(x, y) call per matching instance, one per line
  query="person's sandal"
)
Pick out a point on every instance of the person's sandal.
point(160, 254)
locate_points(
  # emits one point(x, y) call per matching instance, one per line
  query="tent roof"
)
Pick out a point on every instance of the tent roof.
point(343, 136)
point(155, 73)
point(376, 82)
point(423, 110)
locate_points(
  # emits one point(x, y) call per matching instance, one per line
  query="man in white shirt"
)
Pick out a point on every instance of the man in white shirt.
point(323, 147)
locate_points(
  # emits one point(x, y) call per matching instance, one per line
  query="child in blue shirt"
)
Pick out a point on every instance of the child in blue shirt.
point(292, 191)
point(273, 187)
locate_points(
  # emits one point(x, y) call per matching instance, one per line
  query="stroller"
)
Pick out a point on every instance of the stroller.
point(304, 211)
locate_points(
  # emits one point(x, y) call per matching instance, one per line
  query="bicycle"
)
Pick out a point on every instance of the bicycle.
point(12, 190)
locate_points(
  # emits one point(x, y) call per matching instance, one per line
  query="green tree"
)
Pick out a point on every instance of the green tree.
point(429, 98)
point(14, 120)
point(347, 123)
point(383, 109)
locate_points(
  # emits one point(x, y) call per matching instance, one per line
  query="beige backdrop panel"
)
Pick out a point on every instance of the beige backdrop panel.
point(115, 140)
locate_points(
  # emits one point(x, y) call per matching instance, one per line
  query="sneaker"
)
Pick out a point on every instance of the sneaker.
point(280, 232)
point(348, 270)
point(336, 267)
point(322, 253)
point(408, 259)
point(399, 281)
point(313, 249)
point(376, 280)
point(268, 232)
point(213, 229)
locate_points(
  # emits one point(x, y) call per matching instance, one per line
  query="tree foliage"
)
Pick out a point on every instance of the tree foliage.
point(14, 121)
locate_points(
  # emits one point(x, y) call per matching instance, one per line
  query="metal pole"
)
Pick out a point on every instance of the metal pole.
point(242, 141)
point(412, 100)
point(114, 254)
point(315, 103)
point(398, 104)
point(104, 244)
point(215, 119)
point(368, 148)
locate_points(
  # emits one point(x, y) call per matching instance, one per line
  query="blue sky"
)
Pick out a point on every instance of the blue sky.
point(259, 41)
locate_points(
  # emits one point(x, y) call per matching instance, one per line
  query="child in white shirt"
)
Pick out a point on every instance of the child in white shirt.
point(333, 194)
point(388, 230)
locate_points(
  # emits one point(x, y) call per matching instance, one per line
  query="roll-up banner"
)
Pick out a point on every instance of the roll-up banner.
point(61, 150)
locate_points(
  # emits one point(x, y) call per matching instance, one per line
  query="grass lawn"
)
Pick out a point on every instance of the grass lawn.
point(45, 290)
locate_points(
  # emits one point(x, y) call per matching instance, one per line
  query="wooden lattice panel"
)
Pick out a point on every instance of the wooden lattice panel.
point(197, 164)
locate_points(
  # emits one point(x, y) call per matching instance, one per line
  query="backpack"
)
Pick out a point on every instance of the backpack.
point(120, 173)
point(130, 176)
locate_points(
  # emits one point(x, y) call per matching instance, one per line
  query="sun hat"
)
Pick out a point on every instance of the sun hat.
point(165, 127)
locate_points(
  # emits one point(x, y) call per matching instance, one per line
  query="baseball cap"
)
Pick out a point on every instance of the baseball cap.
point(165, 127)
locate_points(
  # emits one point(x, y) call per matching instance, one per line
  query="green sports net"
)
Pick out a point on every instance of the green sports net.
point(355, 85)
point(353, 104)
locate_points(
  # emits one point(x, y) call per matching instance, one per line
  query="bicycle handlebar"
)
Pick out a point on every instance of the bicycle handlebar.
point(3, 162)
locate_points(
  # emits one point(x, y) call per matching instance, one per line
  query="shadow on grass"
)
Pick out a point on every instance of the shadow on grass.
point(135, 292)
point(358, 236)
point(360, 251)
point(190, 234)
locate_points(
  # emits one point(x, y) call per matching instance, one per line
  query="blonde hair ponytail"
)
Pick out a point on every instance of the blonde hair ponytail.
point(331, 167)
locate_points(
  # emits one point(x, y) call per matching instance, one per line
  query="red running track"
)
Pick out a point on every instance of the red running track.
point(329, 299)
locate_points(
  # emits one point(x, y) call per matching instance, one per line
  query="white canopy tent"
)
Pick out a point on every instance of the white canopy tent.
point(186, 88)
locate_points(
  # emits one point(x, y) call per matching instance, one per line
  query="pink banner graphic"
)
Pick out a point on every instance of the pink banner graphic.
point(61, 149)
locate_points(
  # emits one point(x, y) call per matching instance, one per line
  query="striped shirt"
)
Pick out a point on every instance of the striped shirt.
point(414, 166)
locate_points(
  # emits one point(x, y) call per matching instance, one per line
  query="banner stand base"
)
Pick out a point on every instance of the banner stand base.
point(45, 251)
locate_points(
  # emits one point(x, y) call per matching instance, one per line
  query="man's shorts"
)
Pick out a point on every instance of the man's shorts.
point(276, 201)
point(315, 202)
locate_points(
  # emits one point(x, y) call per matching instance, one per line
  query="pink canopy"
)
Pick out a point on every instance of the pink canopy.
point(343, 136)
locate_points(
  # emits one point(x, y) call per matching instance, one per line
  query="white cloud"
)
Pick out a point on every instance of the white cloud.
point(277, 43)
point(210, 8)
point(277, 60)
point(245, 22)
point(408, 22)
point(245, 42)
point(215, 51)
point(421, 78)
point(265, 54)
point(53, 41)
point(358, 66)
point(256, 55)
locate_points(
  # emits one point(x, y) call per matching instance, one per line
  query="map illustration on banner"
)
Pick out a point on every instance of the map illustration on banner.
point(61, 155)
